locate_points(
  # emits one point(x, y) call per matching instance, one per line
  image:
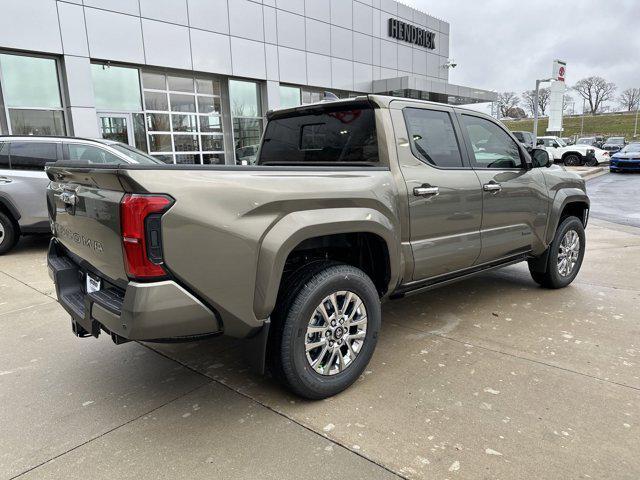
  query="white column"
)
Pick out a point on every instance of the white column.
point(80, 101)
point(271, 96)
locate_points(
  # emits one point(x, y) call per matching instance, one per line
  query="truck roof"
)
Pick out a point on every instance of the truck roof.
point(56, 138)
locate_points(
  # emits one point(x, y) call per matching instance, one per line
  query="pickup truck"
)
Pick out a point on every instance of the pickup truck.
point(349, 203)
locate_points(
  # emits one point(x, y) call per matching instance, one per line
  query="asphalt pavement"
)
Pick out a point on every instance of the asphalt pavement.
point(616, 198)
point(493, 377)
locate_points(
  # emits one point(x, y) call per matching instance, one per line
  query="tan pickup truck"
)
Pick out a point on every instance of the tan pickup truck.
point(349, 203)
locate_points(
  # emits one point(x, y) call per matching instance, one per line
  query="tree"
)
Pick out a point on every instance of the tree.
point(567, 100)
point(629, 99)
point(544, 94)
point(506, 101)
point(516, 112)
point(595, 91)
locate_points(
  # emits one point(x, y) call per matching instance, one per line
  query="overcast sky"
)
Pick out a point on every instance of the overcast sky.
point(506, 44)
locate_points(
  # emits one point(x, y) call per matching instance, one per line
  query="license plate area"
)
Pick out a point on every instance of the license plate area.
point(92, 283)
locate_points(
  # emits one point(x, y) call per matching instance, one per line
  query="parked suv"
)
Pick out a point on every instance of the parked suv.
point(349, 203)
point(23, 182)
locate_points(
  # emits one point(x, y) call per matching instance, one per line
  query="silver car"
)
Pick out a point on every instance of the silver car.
point(23, 182)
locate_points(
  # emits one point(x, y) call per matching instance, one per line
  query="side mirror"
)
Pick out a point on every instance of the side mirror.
point(540, 158)
point(540, 142)
point(555, 145)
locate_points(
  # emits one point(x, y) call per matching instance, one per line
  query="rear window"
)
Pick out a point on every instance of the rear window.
point(344, 134)
point(32, 155)
point(90, 154)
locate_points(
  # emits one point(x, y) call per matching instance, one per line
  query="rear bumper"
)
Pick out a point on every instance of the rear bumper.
point(143, 311)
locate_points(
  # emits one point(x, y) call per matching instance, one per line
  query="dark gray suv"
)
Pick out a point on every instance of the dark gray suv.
point(23, 182)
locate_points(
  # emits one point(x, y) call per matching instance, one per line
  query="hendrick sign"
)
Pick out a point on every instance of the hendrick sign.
point(412, 34)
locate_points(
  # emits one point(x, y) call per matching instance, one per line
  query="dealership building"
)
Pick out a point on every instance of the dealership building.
point(190, 81)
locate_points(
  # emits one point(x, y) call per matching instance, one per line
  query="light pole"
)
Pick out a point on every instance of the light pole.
point(584, 105)
point(535, 109)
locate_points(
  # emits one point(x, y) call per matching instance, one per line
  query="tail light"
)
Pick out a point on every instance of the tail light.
point(140, 222)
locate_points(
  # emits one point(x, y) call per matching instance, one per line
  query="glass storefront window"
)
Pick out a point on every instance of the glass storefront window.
point(213, 158)
point(36, 122)
point(116, 88)
point(30, 82)
point(289, 97)
point(245, 100)
point(188, 112)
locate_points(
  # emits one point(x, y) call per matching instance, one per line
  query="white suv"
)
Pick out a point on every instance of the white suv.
point(573, 155)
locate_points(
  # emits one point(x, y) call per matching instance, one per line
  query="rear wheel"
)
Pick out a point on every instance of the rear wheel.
point(326, 329)
point(572, 160)
point(8, 234)
point(565, 255)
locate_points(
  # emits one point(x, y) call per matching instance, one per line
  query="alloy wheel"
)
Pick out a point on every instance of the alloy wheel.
point(336, 333)
point(2, 234)
point(568, 253)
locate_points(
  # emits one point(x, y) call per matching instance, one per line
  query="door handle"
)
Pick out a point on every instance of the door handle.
point(5, 180)
point(492, 187)
point(426, 191)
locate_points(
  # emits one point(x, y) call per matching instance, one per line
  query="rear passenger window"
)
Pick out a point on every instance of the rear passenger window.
point(432, 137)
point(4, 156)
point(32, 155)
point(323, 136)
point(91, 155)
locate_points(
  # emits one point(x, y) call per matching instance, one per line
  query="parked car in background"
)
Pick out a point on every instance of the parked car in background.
point(23, 182)
point(614, 144)
point(568, 140)
point(626, 159)
point(525, 138)
point(573, 155)
point(590, 141)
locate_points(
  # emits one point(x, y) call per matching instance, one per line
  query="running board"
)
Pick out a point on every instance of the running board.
point(437, 282)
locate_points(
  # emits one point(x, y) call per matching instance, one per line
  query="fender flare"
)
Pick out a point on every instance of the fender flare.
point(6, 202)
point(563, 198)
point(298, 226)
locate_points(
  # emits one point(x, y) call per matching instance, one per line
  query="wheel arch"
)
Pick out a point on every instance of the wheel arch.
point(568, 202)
point(7, 207)
point(318, 228)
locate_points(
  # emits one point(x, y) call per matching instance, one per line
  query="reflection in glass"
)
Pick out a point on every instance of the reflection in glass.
point(116, 88)
point(184, 123)
point(154, 81)
point(182, 103)
point(114, 128)
point(246, 134)
point(185, 143)
point(213, 158)
point(209, 105)
point(189, 159)
point(180, 84)
point(212, 143)
point(212, 123)
point(245, 101)
point(36, 122)
point(156, 101)
point(139, 136)
point(208, 87)
point(30, 81)
point(158, 122)
point(289, 97)
point(164, 158)
point(160, 143)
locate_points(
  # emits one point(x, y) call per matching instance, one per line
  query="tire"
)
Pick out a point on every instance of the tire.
point(319, 374)
point(8, 234)
point(554, 277)
point(572, 160)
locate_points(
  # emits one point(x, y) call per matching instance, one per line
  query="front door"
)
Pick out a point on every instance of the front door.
point(444, 193)
point(116, 126)
point(515, 205)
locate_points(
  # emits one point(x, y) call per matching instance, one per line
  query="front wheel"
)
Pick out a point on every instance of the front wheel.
point(572, 160)
point(566, 253)
point(326, 329)
point(8, 234)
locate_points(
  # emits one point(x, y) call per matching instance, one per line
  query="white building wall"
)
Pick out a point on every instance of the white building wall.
point(340, 44)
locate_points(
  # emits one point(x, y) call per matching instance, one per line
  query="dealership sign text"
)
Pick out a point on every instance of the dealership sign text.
point(409, 33)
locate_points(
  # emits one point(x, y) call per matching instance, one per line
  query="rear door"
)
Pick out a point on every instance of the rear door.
point(84, 203)
point(445, 197)
point(514, 197)
point(26, 184)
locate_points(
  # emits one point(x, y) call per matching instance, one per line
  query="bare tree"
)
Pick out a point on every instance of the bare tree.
point(629, 99)
point(544, 95)
point(567, 100)
point(596, 91)
point(507, 101)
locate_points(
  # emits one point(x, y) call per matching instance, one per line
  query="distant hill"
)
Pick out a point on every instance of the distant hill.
point(611, 124)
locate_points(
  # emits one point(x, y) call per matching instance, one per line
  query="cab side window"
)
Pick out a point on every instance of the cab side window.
point(492, 146)
point(4, 156)
point(32, 155)
point(433, 138)
point(91, 154)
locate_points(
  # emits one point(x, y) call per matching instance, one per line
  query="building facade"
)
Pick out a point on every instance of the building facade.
point(189, 81)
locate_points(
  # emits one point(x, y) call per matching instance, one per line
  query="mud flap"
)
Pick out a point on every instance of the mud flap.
point(255, 349)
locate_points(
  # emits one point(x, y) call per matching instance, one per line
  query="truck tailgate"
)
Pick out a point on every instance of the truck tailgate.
point(84, 206)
